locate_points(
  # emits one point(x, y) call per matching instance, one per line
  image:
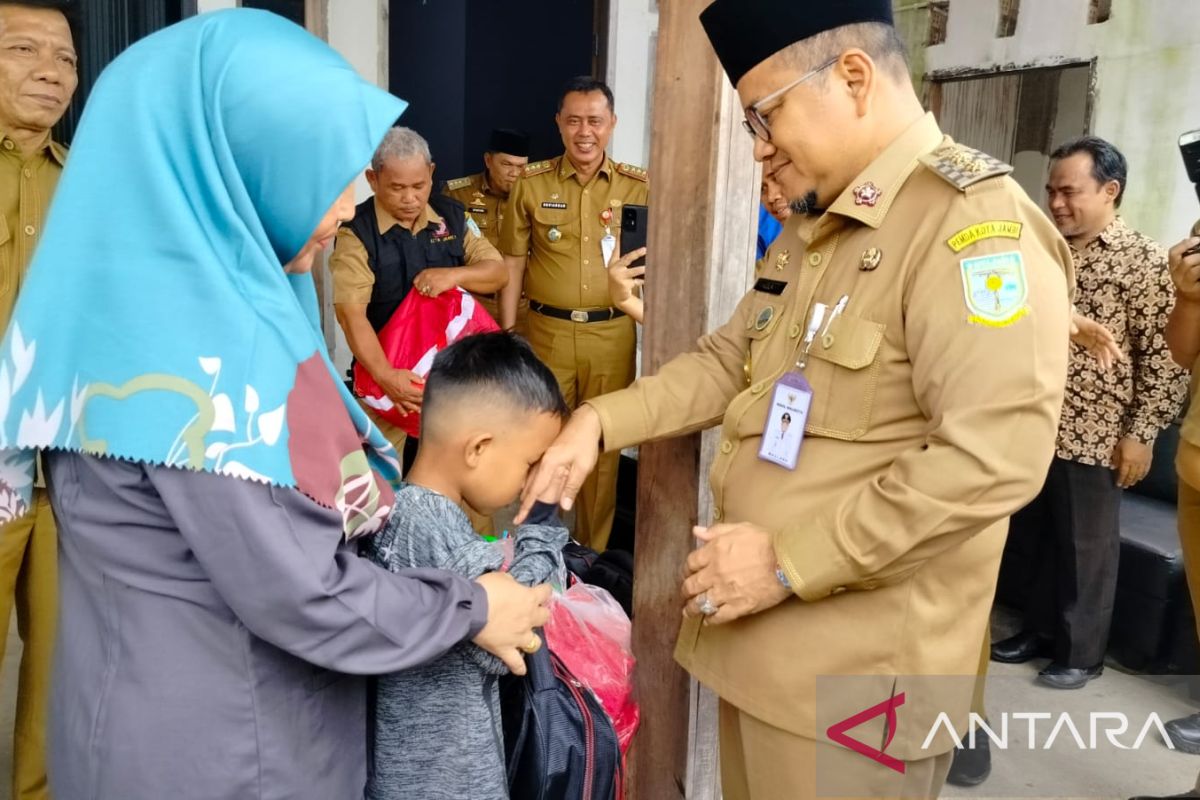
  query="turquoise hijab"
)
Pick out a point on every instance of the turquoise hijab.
point(156, 323)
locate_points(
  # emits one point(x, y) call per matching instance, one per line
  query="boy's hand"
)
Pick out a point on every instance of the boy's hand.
point(513, 612)
point(559, 475)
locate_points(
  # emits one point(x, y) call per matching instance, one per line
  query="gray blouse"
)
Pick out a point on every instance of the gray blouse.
point(209, 629)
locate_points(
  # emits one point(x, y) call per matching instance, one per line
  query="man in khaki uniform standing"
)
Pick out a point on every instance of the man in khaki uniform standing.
point(37, 81)
point(559, 231)
point(913, 318)
point(484, 195)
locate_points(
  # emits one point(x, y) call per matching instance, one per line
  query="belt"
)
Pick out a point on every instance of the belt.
point(576, 314)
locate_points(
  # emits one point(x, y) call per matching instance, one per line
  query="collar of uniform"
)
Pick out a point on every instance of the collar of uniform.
point(56, 150)
point(386, 221)
point(889, 171)
point(486, 187)
point(567, 170)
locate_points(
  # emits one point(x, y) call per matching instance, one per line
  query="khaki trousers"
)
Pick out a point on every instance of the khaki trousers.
point(483, 525)
point(762, 762)
point(29, 579)
point(1189, 538)
point(589, 359)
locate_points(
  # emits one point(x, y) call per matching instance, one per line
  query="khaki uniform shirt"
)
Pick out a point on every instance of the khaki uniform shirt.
point(26, 186)
point(936, 397)
point(1125, 285)
point(559, 222)
point(353, 279)
point(483, 205)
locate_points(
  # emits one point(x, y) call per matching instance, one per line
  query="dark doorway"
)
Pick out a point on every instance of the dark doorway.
point(291, 9)
point(107, 28)
point(467, 66)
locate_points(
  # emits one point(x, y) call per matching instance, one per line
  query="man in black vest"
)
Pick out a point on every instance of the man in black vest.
point(403, 238)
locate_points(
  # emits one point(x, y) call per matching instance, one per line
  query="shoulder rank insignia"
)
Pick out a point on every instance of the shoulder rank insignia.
point(538, 167)
point(962, 166)
point(458, 183)
point(633, 172)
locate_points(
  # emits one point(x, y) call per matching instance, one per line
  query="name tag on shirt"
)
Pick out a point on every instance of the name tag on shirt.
point(768, 286)
point(784, 431)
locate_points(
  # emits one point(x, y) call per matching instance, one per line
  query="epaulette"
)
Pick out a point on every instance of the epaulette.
point(961, 166)
point(634, 172)
point(538, 167)
point(458, 183)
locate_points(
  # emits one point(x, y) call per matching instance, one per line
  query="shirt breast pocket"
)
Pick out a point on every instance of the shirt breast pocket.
point(554, 228)
point(445, 252)
point(844, 376)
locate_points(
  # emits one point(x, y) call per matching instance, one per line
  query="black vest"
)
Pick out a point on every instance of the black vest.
point(398, 256)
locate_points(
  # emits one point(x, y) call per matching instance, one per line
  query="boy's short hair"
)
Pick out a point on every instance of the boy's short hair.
point(502, 365)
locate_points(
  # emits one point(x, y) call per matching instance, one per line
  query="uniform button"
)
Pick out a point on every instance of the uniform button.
point(585, 191)
point(585, 287)
point(8, 145)
point(756, 388)
point(29, 230)
point(726, 447)
point(585, 262)
point(587, 238)
point(814, 259)
point(794, 331)
point(716, 515)
point(27, 172)
point(838, 590)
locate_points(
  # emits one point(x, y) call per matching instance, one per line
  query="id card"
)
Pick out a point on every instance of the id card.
point(786, 417)
point(608, 246)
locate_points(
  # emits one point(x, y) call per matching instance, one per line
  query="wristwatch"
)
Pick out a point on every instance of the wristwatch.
point(783, 578)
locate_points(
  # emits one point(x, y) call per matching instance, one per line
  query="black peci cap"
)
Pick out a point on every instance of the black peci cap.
point(512, 142)
point(744, 33)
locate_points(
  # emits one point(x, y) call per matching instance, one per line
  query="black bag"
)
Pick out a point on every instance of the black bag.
point(611, 570)
point(559, 743)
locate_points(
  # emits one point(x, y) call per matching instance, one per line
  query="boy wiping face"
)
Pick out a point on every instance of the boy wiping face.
point(490, 410)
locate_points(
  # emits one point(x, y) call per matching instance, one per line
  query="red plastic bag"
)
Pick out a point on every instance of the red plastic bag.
point(589, 631)
point(420, 328)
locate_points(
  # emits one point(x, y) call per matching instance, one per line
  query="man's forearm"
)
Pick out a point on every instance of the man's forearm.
point(510, 295)
point(484, 277)
point(363, 341)
point(1183, 332)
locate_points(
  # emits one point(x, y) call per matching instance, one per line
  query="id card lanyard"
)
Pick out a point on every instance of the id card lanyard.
point(791, 399)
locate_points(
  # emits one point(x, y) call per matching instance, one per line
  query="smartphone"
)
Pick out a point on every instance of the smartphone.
point(1189, 148)
point(634, 219)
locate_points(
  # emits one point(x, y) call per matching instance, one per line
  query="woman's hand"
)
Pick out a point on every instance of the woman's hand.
point(1185, 269)
point(624, 280)
point(513, 612)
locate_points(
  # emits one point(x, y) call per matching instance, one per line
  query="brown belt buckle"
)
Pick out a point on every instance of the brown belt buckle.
point(579, 316)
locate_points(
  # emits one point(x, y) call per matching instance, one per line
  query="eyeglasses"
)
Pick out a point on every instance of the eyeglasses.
point(756, 124)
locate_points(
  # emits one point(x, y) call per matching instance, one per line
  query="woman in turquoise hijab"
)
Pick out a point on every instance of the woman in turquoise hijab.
point(208, 470)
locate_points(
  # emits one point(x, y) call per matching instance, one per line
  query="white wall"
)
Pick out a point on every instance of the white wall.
point(632, 31)
point(1147, 85)
point(215, 5)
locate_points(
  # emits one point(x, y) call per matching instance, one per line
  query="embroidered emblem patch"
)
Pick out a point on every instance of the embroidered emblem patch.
point(472, 227)
point(992, 229)
point(867, 194)
point(995, 288)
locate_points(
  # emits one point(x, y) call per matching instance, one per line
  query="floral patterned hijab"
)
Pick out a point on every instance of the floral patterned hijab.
point(157, 324)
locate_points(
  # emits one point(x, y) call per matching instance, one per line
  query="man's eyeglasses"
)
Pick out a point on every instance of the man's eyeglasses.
point(756, 124)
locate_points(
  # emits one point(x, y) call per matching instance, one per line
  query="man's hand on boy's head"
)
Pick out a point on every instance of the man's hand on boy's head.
point(404, 387)
point(565, 464)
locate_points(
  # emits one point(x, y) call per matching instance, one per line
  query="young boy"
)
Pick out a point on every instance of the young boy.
point(491, 409)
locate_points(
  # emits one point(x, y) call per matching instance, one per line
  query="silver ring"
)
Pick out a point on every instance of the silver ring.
point(707, 607)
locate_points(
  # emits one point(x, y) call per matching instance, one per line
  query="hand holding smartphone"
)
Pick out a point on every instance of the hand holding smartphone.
point(634, 220)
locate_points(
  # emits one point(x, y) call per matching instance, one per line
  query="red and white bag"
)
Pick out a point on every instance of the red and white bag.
point(421, 327)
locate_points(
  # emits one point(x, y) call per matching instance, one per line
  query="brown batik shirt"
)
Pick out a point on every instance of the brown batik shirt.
point(1122, 282)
